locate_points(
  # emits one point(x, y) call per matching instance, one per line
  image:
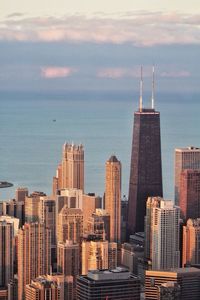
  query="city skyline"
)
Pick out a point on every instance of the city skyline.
point(99, 217)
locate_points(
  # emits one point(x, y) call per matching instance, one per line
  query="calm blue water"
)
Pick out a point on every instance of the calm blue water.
point(31, 143)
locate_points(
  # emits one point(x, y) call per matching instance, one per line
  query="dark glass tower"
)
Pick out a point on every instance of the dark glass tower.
point(146, 168)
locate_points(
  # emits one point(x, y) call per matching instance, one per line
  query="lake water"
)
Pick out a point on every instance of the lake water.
point(31, 142)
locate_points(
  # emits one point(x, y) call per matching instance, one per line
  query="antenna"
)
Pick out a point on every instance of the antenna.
point(141, 90)
point(153, 88)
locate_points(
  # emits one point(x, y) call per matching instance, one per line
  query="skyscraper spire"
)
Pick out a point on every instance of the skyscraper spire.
point(153, 87)
point(141, 90)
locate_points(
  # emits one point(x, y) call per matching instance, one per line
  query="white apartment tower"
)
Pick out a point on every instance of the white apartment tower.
point(162, 234)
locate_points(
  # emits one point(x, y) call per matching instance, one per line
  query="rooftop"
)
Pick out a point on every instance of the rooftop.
point(113, 158)
point(117, 274)
point(188, 149)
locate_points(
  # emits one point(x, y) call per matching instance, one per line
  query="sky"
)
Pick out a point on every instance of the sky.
point(99, 45)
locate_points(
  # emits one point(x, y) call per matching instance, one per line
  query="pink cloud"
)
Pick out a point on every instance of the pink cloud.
point(112, 73)
point(57, 72)
point(115, 73)
point(176, 74)
point(137, 28)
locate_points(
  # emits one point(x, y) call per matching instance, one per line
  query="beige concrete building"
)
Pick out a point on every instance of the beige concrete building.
point(90, 203)
point(191, 242)
point(73, 198)
point(113, 197)
point(185, 280)
point(6, 251)
point(70, 224)
point(94, 255)
point(50, 287)
point(34, 254)
point(13, 208)
point(99, 224)
point(112, 256)
point(47, 215)
point(32, 207)
point(185, 158)
point(73, 166)
point(68, 261)
point(97, 254)
point(162, 233)
point(57, 180)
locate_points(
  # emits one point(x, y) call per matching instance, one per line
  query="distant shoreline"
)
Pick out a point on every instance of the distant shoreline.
point(5, 184)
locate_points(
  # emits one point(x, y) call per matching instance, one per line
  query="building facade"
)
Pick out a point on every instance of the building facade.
point(185, 280)
point(113, 197)
point(146, 169)
point(191, 243)
point(73, 166)
point(162, 234)
point(6, 252)
point(185, 158)
point(189, 201)
point(118, 284)
point(70, 224)
point(34, 254)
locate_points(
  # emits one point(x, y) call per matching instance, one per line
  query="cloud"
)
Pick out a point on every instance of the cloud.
point(117, 73)
point(56, 72)
point(175, 74)
point(15, 15)
point(138, 28)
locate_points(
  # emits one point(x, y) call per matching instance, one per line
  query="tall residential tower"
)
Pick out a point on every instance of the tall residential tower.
point(113, 197)
point(185, 158)
point(146, 169)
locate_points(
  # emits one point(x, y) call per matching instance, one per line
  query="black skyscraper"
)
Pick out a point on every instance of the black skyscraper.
point(146, 168)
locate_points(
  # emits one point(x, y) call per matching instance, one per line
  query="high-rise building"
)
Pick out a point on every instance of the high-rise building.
point(185, 158)
point(32, 206)
point(34, 254)
point(97, 254)
point(185, 280)
point(112, 256)
point(152, 202)
point(191, 243)
point(21, 194)
point(108, 284)
point(130, 256)
point(94, 255)
point(12, 289)
point(68, 262)
point(90, 203)
point(6, 252)
point(42, 289)
point(73, 166)
point(146, 169)
point(73, 198)
point(99, 224)
point(162, 233)
point(57, 180)
point(50, 287)
point(47, 215)
point(124, 218)
point(113, 197)
point(189, 201)
point(70, 224)
point(13, 208)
